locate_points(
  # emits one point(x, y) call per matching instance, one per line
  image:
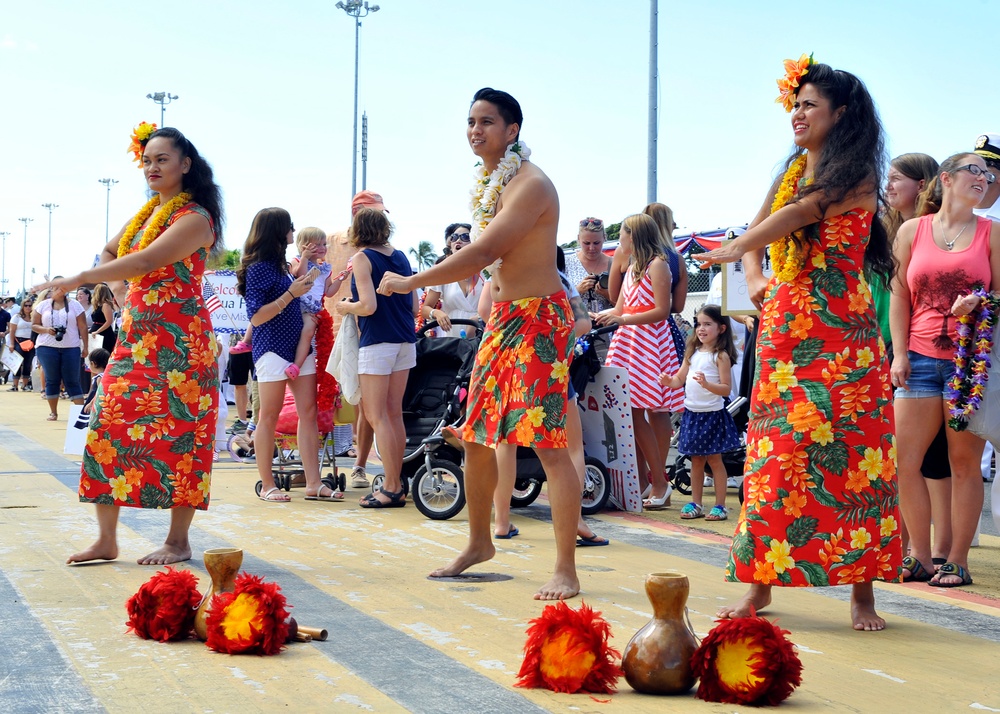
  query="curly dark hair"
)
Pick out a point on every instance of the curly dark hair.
point(199, 181)
point(266, 243)
point(853, 157)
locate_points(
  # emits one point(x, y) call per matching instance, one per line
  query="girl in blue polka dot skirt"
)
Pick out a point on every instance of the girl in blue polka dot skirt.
point(707, 429)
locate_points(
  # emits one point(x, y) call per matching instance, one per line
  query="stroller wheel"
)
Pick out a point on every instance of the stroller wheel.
point(680, 474)
point(258, 488)
point(439, 493)
point(596, 487)
point(525, 492)
point(336, 481)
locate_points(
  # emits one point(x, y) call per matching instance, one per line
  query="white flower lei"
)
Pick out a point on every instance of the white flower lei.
point(488, 187)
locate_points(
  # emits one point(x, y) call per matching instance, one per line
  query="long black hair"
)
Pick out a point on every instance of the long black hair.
point(266, 243)
point(199, 181)
point(853, 156)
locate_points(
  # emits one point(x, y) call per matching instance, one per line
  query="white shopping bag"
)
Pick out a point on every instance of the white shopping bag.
point(985, 421)
point(76, 430)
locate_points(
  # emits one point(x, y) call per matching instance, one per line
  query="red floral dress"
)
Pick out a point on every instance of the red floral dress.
point(821, 500)
point(153, 426)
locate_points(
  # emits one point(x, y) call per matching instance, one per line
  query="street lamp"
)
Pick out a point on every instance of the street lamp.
point(108, 182)
point(356, 9)
point(3, 270)
point(51, 207)
point(163, 99)
point(24, 256)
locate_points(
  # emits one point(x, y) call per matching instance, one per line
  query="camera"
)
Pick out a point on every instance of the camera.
point(59, 333)
point(601, 280)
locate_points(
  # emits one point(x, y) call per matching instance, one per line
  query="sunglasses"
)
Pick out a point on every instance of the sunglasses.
point(461, 237)
point(592, 224)
point(978, 171)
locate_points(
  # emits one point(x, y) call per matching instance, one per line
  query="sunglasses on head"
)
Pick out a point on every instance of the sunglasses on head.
point(592, 224)
point(461, 237)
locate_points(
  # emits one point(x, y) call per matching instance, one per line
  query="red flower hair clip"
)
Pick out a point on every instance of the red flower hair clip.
point(140, 135)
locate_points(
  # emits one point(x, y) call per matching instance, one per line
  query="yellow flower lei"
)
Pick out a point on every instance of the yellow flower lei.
point(785, 260)
point(155, 226)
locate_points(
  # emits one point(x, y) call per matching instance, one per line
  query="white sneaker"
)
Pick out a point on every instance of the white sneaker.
point(359, 479)
point(732, 482)
point(709, 481)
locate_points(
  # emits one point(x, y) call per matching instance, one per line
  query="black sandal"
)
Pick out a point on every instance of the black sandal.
point(395, 500)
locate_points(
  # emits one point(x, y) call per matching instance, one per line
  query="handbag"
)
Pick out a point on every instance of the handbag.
point(26, 345)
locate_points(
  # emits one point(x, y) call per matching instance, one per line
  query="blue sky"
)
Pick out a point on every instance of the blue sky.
point(266, 93)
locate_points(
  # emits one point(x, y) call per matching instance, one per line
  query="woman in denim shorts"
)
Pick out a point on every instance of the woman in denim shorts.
point(941, 256)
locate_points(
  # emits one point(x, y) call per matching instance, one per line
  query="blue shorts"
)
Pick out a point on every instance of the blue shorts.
point(928, 377)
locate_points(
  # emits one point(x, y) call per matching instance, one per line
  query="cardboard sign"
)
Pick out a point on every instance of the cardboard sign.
point(735, 296)
point(229, 314)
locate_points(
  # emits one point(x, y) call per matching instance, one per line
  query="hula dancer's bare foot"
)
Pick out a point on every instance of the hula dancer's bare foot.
point(560, 587)
point(98, 551)
point(757, 598)
point(466, 559)
point(863, 615)
point(166, 555)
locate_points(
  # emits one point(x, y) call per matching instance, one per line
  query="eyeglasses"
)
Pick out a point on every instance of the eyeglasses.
point(461, 237)
point(592, 224)
point(976, 170)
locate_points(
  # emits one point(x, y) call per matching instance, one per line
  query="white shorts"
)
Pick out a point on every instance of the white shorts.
point(387, 357)
point(271, 368)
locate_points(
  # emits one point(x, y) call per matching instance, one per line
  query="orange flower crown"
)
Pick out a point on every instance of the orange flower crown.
point(140, 135)
point(794, 71)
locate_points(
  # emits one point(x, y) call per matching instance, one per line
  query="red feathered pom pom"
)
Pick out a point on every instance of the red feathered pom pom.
point(252, 618)
point(163, 609)
point(748, 660)
point(567, 651)
point(327, 388)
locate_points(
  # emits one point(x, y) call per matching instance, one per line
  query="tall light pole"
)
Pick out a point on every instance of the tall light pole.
point(356, 9)
point(364, 151)
point(163, 99)
point(51, 207)
point(3, 269)
point(108, 182)
point(24, 256)
point(651, 141)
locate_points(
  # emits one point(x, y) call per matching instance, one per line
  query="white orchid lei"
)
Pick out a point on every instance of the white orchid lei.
point(489, 186)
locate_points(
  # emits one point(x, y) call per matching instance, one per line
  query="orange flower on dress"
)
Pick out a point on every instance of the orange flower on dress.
point(133, 477)
point(525, 432)
point(853, 399)
point(805, 417)
point(767, 392)
point(119, 387)
point(148, 402)
point(800, 293)
point(189, 391)
point(757, 492)
point(800, 326)
point(764, 572)
point(794, 71)
point(793, 466)
point(112, 413)
point(857, 481)
point(836, 370)
point(104, 453)
point(838, 232)
point(186, 464)
point(859, 301)
point(832, 550)
point(793, 503)
point(850, 574)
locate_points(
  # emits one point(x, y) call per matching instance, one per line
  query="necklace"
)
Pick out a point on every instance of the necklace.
point(155, 226)
point(488, 187)
point(784, 254)
point(950, 244)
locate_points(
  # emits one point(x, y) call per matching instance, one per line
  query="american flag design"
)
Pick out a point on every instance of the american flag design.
point(212, 301)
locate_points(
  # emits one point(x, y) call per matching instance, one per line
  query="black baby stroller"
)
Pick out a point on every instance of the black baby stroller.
point(435, 398)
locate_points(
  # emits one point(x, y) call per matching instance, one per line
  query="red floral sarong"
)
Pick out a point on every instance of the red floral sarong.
point(519, 385)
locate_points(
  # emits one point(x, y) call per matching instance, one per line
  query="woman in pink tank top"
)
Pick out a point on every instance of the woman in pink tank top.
point(941, 256)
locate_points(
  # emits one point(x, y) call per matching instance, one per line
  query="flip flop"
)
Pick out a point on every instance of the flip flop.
point(955, 570)
point(511, 532)
point(333, 496)
point(918, 573)
point(395, 500)
point(51, 417)
point(592, 541)
point(266, 496)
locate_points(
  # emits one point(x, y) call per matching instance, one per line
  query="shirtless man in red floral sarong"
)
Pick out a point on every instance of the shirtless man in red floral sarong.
point(518, 392)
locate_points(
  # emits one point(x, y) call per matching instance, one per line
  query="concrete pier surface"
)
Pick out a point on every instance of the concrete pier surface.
point(400, 642)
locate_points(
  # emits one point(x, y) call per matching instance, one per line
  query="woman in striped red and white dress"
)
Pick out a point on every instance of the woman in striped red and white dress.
point(643, 346)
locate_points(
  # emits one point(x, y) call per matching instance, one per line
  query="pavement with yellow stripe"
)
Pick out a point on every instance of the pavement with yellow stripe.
point(400, 642)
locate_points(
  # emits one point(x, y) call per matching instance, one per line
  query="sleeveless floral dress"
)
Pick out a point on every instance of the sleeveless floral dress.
point(820, 502)
point(153, 426)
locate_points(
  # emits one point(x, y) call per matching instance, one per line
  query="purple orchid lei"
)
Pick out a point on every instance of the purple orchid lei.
point(967, 386)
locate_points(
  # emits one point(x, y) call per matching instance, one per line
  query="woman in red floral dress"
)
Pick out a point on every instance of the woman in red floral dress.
point(153, 427)
point(821, 503)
